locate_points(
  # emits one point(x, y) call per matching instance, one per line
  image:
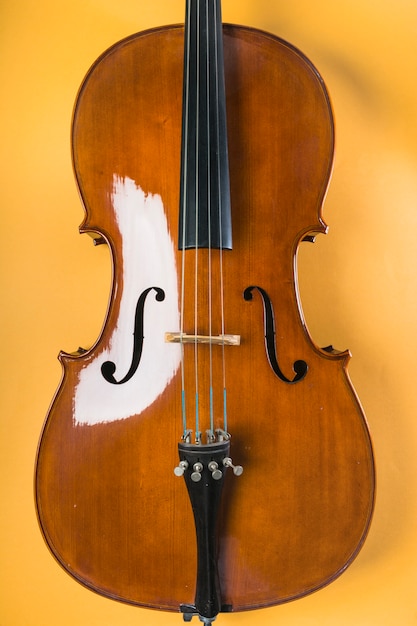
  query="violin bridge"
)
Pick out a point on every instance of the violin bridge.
point(220, 340)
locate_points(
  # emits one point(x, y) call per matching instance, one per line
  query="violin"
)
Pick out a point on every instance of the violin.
point(204, 455)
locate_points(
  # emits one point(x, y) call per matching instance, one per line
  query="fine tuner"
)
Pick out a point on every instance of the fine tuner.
point(213, 467)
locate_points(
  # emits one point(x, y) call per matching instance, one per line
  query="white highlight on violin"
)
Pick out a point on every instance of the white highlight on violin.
point(149, 260)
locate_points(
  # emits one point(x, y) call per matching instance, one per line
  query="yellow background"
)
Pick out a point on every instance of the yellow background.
point(358, 284)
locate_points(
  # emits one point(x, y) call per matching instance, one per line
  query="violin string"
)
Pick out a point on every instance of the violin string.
point(216, 41)
point(184, 212)
point(208, 95)
point(197, 419)
point(209, 103)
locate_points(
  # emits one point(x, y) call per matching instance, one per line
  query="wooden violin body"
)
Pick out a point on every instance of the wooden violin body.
point(110, 507)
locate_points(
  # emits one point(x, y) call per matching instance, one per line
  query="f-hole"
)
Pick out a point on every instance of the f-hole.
point(300, 367)
point(108, 368)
